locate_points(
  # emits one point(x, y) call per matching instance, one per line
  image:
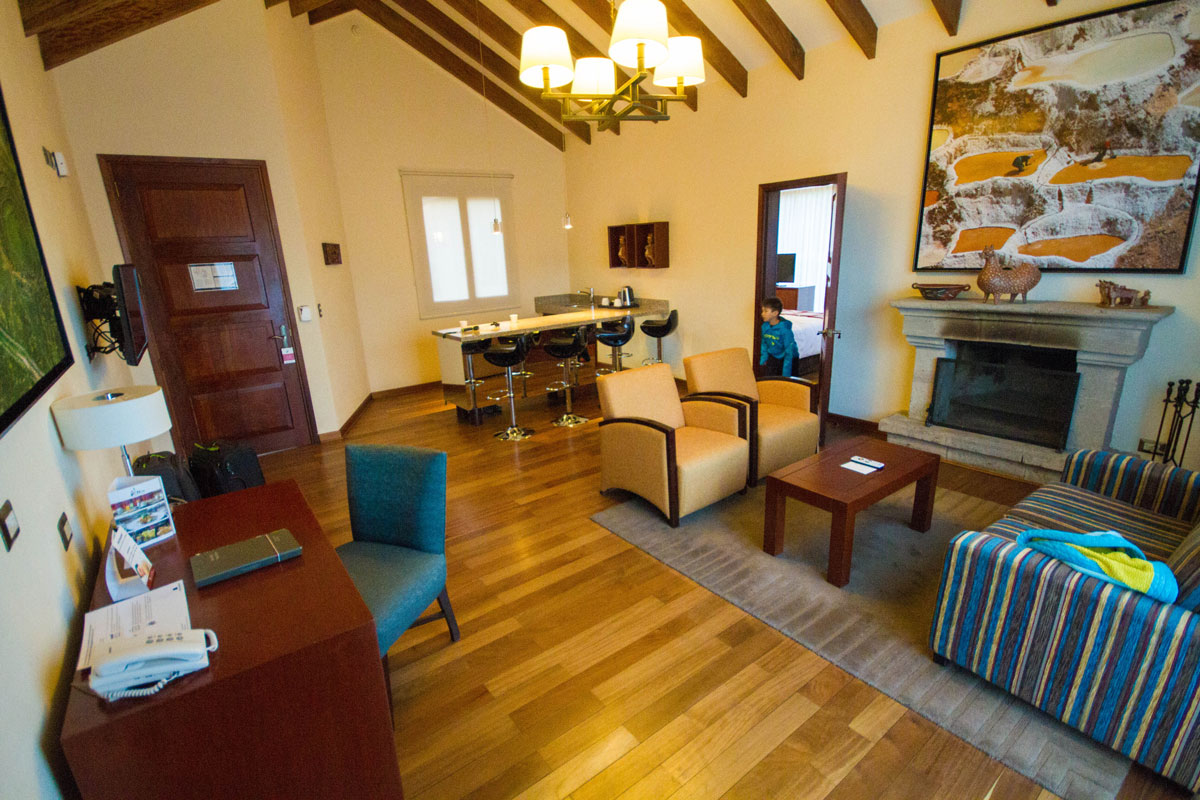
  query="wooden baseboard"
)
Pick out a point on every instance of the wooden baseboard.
point(403, 390)
point(862, 426)
point(340, 433)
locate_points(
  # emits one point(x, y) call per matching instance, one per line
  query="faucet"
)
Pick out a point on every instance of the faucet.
point(591, 293)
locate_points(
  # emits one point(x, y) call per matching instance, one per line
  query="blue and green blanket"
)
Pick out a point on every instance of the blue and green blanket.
point(1106, 555)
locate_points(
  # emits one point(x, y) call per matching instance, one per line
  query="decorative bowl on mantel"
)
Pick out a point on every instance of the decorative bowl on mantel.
point(941, 291)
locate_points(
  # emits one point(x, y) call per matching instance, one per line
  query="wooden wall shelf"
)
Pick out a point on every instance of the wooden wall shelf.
point(637, 236)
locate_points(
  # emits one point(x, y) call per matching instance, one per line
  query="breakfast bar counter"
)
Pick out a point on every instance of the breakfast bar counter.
point(558, 312)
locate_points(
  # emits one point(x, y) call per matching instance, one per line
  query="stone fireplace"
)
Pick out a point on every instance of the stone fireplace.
point(1014, 380)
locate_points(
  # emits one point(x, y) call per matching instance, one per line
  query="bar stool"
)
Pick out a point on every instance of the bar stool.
point(660, 329)
point(567, 346)
point(469, 351)
point(615, 334)
point(508, 352)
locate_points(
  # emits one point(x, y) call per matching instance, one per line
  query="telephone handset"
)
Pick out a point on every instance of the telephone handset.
point(154, 658)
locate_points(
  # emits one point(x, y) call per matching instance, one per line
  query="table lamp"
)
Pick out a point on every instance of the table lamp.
point(101, 419)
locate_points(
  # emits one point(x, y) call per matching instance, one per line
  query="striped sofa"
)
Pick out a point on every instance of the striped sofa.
point(1110, 662)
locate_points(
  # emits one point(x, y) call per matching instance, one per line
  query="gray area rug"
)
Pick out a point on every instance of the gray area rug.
point(877, 627)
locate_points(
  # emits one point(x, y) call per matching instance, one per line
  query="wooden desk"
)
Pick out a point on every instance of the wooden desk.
point(821, 481)
point(293, 704)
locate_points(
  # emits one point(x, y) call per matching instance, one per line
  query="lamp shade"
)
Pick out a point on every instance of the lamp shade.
point(685, 61)
point(595, 77)
point(639, 22)
point(545, 48)
point(101, 419)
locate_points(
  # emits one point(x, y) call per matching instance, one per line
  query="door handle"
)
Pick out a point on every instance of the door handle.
point(282, 336)
point(830, 333)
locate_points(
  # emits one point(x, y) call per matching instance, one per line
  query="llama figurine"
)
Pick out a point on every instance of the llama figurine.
point(995, 279)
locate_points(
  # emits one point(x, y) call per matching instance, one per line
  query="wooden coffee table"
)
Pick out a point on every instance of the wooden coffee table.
point(821, 481)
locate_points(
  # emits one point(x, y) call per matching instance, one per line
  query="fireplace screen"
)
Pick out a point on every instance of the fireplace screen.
point(1011, 401)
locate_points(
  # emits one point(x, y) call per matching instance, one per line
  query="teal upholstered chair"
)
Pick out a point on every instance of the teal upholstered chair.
point(397, 559)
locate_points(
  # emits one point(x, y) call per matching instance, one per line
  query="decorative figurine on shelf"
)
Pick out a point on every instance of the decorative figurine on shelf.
point(1114, 295)
point(649, 251)
point(996, 279)
point(622, 253)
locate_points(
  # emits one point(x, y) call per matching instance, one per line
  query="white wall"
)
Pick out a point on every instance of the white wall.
point(868, 118)
point(222, 83)
point(41, 585)
point(389, 108)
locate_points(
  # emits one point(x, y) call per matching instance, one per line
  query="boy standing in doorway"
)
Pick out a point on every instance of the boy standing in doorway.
point(778, 341)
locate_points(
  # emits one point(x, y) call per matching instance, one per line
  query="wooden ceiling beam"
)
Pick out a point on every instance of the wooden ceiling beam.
point(106, 22)
point(330, 10)
point(949, 11)
point(489, 22)
point(777, 34)
point(40, 15)
point(437, 21)
point(299, 7)
point(436, 52)
point(857, 21)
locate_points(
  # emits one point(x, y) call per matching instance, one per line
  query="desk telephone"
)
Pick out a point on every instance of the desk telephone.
point(153, 658)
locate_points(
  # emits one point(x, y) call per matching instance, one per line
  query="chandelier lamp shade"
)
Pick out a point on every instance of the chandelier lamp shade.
point(640, 42)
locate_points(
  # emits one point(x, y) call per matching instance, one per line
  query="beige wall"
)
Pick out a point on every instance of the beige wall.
point(223, 83)
point(390, 108)
point(868, 118)
point(41, 585)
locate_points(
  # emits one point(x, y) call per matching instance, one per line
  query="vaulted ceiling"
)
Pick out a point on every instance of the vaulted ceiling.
point(479, 42)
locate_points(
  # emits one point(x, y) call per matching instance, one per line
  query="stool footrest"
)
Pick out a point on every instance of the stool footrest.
point(503, 394)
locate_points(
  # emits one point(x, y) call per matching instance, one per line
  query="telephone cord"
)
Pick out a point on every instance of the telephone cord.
point(146, 692)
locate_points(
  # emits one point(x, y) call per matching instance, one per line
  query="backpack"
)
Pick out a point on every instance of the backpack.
point(224, 466)
point(178, 482)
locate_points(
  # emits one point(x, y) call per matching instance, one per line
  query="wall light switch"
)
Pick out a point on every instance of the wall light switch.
point(9, 527)
point(305, 314)
point(65, 532)
point(60, 165)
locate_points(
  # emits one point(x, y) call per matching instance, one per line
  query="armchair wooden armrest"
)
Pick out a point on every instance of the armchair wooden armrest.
point(781, 391)
point(638, 455)
point(717, 414)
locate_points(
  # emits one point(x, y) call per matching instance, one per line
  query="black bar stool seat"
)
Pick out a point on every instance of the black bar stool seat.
point(660, 329)
point(567, 345)
point(615, 334)
point(508, 352)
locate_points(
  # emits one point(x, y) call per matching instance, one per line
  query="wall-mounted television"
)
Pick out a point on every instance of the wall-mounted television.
point(116, 316)
point(785, 264)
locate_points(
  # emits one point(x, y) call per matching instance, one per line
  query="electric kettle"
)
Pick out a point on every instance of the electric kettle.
point(625, 295)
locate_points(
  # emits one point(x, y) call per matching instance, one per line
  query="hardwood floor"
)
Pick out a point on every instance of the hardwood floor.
point(589, 670)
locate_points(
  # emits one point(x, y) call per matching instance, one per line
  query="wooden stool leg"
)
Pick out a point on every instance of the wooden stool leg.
point(444, 602)
point(841, 547)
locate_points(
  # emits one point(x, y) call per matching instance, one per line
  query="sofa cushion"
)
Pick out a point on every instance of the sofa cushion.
point(1185, 563)
point(1061, 506)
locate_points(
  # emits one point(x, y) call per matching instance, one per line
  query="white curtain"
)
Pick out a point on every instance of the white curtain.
point(805, 217)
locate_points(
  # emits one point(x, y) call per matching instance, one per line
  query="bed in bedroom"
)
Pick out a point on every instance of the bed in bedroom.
point(806, 327)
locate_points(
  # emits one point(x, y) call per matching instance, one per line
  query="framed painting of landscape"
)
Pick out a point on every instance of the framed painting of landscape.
point(33, 343)
point(1072, 146)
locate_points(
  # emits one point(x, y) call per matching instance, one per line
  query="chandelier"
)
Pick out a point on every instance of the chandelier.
point(639, 41)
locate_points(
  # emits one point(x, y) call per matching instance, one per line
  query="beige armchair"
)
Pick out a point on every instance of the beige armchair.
point(782, 429)
point(679, 455)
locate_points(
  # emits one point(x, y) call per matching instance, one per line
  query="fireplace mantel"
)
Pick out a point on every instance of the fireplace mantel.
point(1106, 341)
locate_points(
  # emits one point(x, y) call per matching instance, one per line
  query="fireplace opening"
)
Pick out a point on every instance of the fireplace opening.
point(1026, 394)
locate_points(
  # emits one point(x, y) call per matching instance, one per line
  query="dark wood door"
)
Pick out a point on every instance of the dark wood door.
point(767, 271)
point(203, 237)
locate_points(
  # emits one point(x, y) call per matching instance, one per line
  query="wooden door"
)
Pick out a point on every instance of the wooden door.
point(203, 237)
point(767, 271)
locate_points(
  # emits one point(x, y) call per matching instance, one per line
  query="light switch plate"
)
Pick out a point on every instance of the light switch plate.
point(65, 532)
point(9, 527)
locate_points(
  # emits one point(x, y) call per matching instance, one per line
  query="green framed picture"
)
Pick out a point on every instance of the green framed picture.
point(34, 351)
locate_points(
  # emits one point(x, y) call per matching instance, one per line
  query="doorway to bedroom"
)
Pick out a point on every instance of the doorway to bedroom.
point(799, 248)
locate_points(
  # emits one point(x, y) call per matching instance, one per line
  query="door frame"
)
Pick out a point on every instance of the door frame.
point(107, 162)
point(768, 231)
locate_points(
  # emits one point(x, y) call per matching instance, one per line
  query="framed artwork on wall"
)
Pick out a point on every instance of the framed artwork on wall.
point(1073, 146)
point(34, 351)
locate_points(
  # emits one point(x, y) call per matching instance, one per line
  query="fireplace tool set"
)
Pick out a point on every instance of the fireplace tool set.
point(1179, 427)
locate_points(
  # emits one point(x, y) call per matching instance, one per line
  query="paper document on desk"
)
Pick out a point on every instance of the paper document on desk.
point(161, 610)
